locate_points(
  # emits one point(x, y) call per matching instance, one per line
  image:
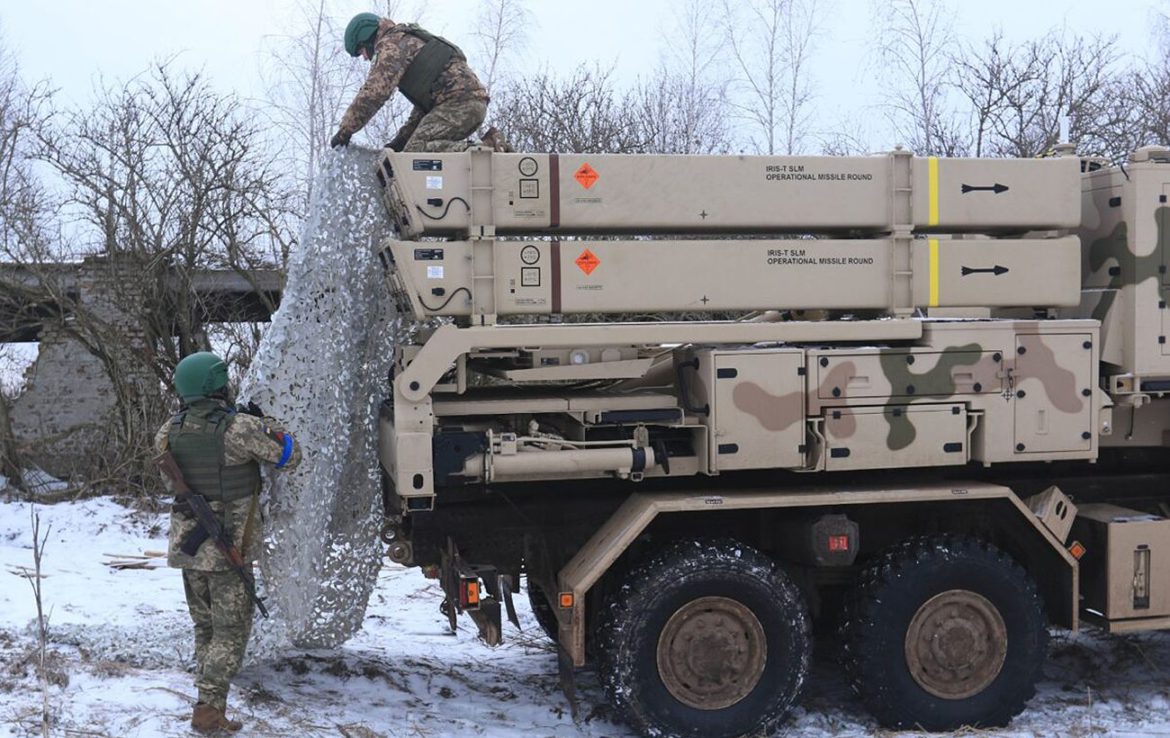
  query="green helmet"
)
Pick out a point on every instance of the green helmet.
point(360, 32)
point(200, 375)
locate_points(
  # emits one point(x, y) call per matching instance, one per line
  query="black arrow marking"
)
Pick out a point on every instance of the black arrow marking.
point(997, 188)
point(996, 270)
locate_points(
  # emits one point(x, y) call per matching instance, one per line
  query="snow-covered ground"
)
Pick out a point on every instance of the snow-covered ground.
point(121, 645)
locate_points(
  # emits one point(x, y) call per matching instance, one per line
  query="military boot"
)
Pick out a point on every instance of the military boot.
point(211, 719)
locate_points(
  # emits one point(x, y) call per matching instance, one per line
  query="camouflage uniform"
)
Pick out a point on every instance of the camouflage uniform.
point(216, 597)
point(460, 100)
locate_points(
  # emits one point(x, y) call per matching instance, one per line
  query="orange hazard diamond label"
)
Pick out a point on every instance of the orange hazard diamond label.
point(586, 175)
point(588, 261)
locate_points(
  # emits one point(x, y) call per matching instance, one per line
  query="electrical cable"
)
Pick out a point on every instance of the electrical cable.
point(445, 210)
point(445, 302)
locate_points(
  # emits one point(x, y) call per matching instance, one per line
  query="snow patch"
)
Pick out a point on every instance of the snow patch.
point(403, 673)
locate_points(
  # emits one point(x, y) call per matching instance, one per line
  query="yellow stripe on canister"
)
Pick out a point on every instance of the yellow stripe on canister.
point(932, 167)
point(933, 273)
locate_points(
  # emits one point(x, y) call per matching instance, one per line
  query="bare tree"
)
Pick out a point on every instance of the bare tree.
point(1138, 105)
point(308, 74)
point(311, 80)
point(25, 209)
point(988, 77)
point(848, 139)
point(169, 173)
point(683, 106)
point(771, 43)
point(581, 113)
point(36, 581)
point(673, 116)
point(913, 37)
point(1020, 94)
point(10, 464)
point(501, 32)
point(164, 179)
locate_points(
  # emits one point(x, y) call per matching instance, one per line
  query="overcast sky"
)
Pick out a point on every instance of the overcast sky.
point(74, 43)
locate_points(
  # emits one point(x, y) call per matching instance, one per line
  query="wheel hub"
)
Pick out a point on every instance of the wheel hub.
point(712, 653)
point(956, 644)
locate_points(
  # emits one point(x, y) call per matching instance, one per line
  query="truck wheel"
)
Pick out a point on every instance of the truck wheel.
point(542, 609)
point(943, 632)
point(705, 639)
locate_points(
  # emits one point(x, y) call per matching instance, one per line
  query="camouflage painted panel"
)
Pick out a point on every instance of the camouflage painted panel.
point(1053, 393)
point(968, 369)
point(860, 437)
point(1037, 360)
point(775, 412)
point(896, 377)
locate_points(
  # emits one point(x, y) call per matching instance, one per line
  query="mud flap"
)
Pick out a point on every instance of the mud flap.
point(487, 618)
point(568, 677)
point(506, 595)
point(459, 581)
point(449, 565)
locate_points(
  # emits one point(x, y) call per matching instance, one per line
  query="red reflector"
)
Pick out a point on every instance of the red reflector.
point(838, 543)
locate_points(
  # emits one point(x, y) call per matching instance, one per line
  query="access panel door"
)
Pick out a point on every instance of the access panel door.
point(759, 410)
point(1053, 393)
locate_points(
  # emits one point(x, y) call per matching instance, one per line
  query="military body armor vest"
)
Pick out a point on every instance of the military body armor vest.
point(196, 441)
point(424, 70)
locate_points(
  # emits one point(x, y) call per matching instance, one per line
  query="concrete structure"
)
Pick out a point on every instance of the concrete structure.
point(66, 419)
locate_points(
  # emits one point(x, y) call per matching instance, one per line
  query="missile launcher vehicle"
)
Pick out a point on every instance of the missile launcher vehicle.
point(704, 405)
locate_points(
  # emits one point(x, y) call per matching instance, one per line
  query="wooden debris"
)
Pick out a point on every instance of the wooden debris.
point(26, 572)
point(145, 560)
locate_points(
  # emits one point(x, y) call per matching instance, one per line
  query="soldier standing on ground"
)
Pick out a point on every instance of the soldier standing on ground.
point(219, 451)
point(450, 102)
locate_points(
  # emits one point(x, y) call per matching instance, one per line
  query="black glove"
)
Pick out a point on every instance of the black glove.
point(396, 144)
point(339, 139)
point(251, 409)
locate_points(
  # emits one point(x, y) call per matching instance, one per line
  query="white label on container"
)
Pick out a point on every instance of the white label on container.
point(434, 183)
point(434, 272)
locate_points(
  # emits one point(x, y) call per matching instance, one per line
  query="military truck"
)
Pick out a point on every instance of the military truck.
point(711, 405)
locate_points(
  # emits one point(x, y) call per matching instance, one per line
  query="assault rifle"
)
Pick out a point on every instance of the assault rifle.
point(209, 526)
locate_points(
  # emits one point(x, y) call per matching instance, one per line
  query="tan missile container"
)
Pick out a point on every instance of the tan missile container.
point(541, 277)
point(447, 194)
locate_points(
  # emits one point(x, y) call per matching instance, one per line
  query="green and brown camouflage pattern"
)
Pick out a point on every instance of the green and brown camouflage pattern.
point(989, 391)
point(220, 605)
point(1125, 237)
point(248, 438)
point(222, 612)
point(394, 50)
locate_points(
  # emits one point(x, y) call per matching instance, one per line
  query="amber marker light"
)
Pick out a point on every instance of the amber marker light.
point(1077, 550)
point(566, 600)
point(470, 593)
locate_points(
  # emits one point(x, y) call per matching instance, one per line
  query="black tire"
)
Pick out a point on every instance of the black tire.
point(542, 609)
point(754, 612)
point(925, 631)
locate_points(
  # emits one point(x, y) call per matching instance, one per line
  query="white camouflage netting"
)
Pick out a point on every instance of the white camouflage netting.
point(321, 369)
